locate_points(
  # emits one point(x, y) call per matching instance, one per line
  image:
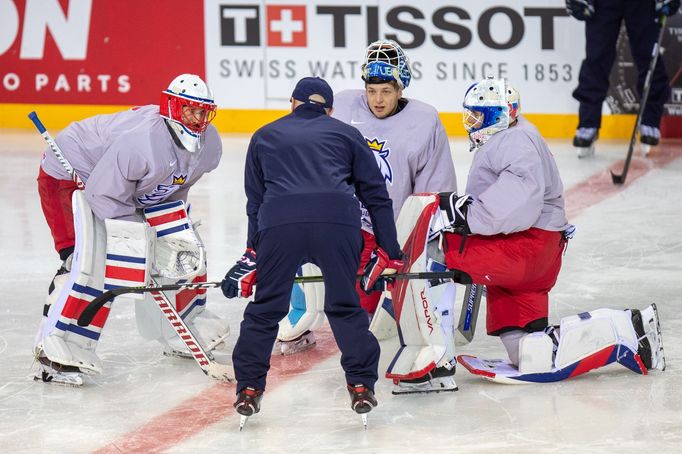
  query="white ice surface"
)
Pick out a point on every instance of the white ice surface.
point(627, 253)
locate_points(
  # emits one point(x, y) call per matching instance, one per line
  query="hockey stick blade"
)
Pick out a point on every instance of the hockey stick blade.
point(98, 302)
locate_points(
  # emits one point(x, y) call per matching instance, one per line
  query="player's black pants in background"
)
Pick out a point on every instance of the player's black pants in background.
point(280, 250)
point(601, 34)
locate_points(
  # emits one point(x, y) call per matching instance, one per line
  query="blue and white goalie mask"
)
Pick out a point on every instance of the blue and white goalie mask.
point(386, 61)
point(490, 106)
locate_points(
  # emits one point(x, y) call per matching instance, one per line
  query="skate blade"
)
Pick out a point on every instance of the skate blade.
point(646, 149)
point(584, 152)
point(70, 382)
point(172, 353)
point(294, 350)
point(242, 422)
point(660, 335)
point(364, 420)
point(424, 391)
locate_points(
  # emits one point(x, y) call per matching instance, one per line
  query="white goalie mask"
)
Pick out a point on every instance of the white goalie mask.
point(490, 106)
point(189, 107)
point(385, 61)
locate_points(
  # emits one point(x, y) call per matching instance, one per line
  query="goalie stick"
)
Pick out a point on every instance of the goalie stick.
point(205, 360)
point(467, 318)
point(98, 302)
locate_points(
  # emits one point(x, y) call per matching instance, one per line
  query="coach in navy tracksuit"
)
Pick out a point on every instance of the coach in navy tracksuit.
point(303, 173)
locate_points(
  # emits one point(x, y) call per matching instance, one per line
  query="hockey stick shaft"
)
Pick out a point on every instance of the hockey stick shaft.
point(98, 302)
point(469, 315)
point(203, 358)
point(55, 149)
point(656, 51)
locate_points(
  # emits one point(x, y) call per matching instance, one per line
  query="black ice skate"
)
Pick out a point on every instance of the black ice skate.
point(362, 401)
point(649, 136)
point(248, 403)
point(584, 141)
point(648, 331)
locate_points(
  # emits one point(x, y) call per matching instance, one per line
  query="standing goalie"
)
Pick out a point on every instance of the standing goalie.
point(128, 225)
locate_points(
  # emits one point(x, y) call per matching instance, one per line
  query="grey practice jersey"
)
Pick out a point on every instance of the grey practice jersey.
point(410, 147)
point(515, 184)
point(129, 160)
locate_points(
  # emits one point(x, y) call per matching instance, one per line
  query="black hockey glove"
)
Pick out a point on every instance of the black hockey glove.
point(580, 9)
point(667, 7)
point(241, 278)
point(455, 208)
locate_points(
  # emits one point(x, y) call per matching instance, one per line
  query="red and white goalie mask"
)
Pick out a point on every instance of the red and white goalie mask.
point(189, 106)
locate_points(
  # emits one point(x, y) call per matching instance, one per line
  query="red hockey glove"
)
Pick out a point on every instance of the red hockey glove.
point(378, 271)
point(241, 278)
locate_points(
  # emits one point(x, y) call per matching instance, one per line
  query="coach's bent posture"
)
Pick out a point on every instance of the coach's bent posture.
point(304, 175)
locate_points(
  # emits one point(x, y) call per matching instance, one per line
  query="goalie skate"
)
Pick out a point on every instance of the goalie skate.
point(210, 330)
point(58, 374)
point(304, 342)
point(648, 329)
point(440, 380)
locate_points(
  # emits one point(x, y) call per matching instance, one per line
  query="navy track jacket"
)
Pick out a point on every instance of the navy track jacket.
point(309, 167)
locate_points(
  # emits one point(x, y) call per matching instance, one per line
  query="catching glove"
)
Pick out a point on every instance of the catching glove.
point(241, 278)
point(378, 270)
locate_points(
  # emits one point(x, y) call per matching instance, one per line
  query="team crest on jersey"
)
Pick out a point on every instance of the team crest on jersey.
point(179, 179)
point(381, 154)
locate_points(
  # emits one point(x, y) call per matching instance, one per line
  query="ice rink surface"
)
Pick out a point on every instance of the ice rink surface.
point(627, 253)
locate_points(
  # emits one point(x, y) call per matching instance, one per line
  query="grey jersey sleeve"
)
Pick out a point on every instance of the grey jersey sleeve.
point(437, 174)
point(514, 201)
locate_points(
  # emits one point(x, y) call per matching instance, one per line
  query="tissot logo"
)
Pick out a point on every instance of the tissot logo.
point(285, 25)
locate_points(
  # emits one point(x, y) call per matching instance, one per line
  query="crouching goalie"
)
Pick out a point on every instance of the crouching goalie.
point(121, 220)
point(508, 232)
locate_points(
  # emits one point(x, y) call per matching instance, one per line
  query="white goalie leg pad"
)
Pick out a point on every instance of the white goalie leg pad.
point(60, 339)
point(307, 307)
point(179, 257)
point(423, 311)
point(383, 324)
point(209, 329)
point(585, 334)
point(130, 252)
point(535, 353)
point(179, 252)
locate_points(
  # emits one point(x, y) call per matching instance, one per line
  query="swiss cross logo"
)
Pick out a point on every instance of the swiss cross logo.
point(286, 25)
